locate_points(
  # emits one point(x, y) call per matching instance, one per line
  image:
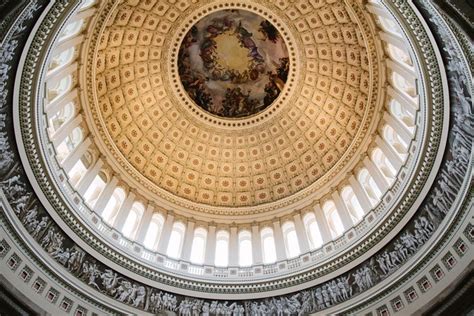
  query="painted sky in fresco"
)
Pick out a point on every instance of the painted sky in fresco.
point(233, 63)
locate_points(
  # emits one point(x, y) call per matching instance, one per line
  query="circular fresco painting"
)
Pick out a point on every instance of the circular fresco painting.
point(233, 63)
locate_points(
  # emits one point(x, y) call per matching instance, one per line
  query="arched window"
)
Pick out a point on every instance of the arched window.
point(69, 143)
point(94, 190)
point(291, 239)
point(245, 248)
point(62, 150)
point(75, 138)
point(268, 245)
point(370, 187)
point(71, 29)
point(312, 230)
point(86, 4)
point(400, 113)
point(61, 88)
point(389, 25)
point(77, 172)
point(62, 116)
point(113, 205)
point(62, 59)
point(398, 54)
point(199, 245)
point(352, 204)
point(334, 221)
point(384, 165)
point(133, 220)
point(154, 231)
point(176, 240)
point(403, 85)
point(222, 249)
point(395, 141)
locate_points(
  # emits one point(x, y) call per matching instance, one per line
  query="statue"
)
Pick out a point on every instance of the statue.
point(30, 215)
point(139, 297)
point(40, 226)
point(110, 281)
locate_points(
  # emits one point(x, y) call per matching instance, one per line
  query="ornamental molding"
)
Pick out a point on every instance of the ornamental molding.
point(304, 197)
point(313, 274)
point(465, 155)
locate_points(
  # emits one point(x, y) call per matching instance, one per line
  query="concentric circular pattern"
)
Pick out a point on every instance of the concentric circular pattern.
point(146, 122)
point(233, 63)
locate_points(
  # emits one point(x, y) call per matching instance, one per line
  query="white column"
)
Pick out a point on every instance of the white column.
point(144, 224)
point(165, 233)
point(389, 152)
point(377, 175)
point(376, 9)
point(188, 242)
point(55, 76)
point(210, 246)
point(52, 108)
point(75, 155)
point(256, 245)
point(90, 175)
point(105, 196)
point(399, 128)
point(122, 213)
point(410, 105)
point(233, 248)
point(71, 42)
point(65, 130)
point(361, 195)
point(394, 40)
point(301, 233)
point(82, 15)
point(279, 241)
point(341, 208)
point(322, 224)
point(403, 70)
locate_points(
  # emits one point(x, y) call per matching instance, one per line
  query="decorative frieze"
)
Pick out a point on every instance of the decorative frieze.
point(441, 200)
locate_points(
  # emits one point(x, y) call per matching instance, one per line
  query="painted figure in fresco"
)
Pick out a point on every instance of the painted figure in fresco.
point(269, 31)
point(258, 73)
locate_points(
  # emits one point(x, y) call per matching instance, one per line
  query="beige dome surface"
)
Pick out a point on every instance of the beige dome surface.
point(154, 134)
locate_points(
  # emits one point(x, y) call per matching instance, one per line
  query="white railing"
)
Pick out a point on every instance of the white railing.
point(255, 272)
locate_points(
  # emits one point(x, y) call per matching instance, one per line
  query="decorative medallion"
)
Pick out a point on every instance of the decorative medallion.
point(233, 63)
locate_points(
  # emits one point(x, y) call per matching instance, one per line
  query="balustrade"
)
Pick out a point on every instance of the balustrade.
point(59, 72)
